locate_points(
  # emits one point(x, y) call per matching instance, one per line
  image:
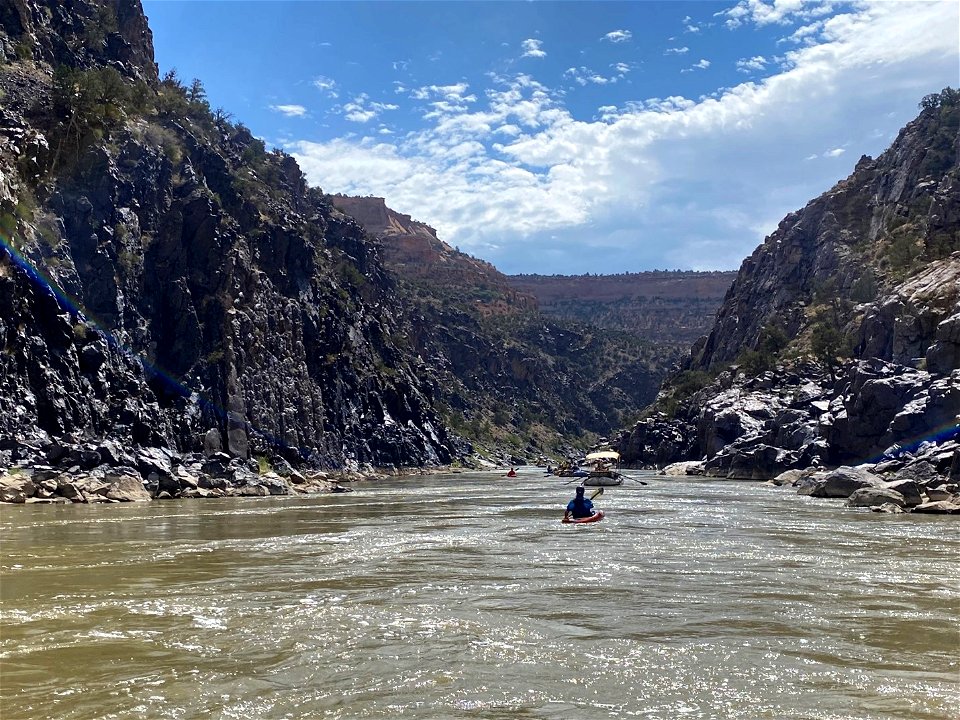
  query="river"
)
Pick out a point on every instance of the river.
point(463, 596)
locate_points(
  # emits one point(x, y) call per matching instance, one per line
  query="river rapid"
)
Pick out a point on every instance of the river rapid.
point(463, 596)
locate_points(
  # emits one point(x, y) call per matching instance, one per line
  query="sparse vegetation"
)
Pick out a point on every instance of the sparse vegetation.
point(263, 465)
point(680, 388)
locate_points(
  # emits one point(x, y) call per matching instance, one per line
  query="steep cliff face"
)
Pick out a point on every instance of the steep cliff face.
point(81, 34)
point(166, 280)
point(838, 340)
point(859, 248)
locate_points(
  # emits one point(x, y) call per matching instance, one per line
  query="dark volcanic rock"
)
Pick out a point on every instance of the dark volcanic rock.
point(235, 308)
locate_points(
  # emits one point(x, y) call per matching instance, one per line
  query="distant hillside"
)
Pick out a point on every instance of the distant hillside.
point(508, 375)
point(671, 308)
point(415, 252)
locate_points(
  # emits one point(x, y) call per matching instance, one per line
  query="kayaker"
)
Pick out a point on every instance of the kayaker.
point(580, 506)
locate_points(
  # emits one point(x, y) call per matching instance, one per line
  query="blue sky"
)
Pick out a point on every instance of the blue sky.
point(570, 137)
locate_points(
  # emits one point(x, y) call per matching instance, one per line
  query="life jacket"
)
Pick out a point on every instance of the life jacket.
point(582, 507)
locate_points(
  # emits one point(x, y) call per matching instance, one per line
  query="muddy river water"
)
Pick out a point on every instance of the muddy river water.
point(463, 596)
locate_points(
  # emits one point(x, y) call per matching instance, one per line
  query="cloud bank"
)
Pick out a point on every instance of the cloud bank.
point(509, 174)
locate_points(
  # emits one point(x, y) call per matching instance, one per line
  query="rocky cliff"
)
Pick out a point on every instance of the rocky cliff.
point(412, 250)
point(838, 340)
point(167, 282)
point(509, 376)
point(871, 258)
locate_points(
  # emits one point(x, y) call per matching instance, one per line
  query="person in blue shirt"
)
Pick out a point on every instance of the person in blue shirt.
point(579, 507)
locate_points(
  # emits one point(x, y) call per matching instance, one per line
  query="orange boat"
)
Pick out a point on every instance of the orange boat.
point(596, 517)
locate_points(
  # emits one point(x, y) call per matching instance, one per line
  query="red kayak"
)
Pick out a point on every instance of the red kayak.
point(597, 516)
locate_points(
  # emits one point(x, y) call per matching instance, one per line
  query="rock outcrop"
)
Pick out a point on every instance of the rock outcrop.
point(837, 344)
point(876, 257)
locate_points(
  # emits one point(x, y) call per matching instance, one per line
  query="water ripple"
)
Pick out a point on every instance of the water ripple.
point(460, 597)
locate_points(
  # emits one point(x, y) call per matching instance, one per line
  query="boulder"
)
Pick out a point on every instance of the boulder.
point(164, 483)
point(70, 491)
point(126, 488)
point(111, 453)
point(921, 472)
point(760, 462)
point(250, 491)
point(154, 460)
point(875, 497)
point(935, 494)
point(200, 493)
point(16, 488)
point(940, 507)
point(211, 482)
point(686, 467)
point(906, 488)
point(274, 483)
point(792, 477)
point(212, 442)
point(943, 356)
point(841, 483)
point(891, 508)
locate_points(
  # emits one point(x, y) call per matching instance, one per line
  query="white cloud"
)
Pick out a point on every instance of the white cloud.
point(673, 182)
point(327, 85)
point(451, 93)
point(290, 110)
point(618, 36)
point(584, 76)
point(444, 100)
point(676, 51)
point(804, 35)
point(362, 110)
point(756, 63)
point(779, 12)
point(533, 48)
point(701, 65)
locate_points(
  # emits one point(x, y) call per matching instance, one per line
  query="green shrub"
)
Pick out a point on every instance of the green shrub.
point(24, 51)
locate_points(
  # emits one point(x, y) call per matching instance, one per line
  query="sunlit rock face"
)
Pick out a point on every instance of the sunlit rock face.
point(839, 340)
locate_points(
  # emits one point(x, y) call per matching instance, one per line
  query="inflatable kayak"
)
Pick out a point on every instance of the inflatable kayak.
point(598, 515)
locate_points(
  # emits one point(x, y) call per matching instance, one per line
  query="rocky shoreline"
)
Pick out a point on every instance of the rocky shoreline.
point(46, 471)
point(877, 424)
point(890, 487)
